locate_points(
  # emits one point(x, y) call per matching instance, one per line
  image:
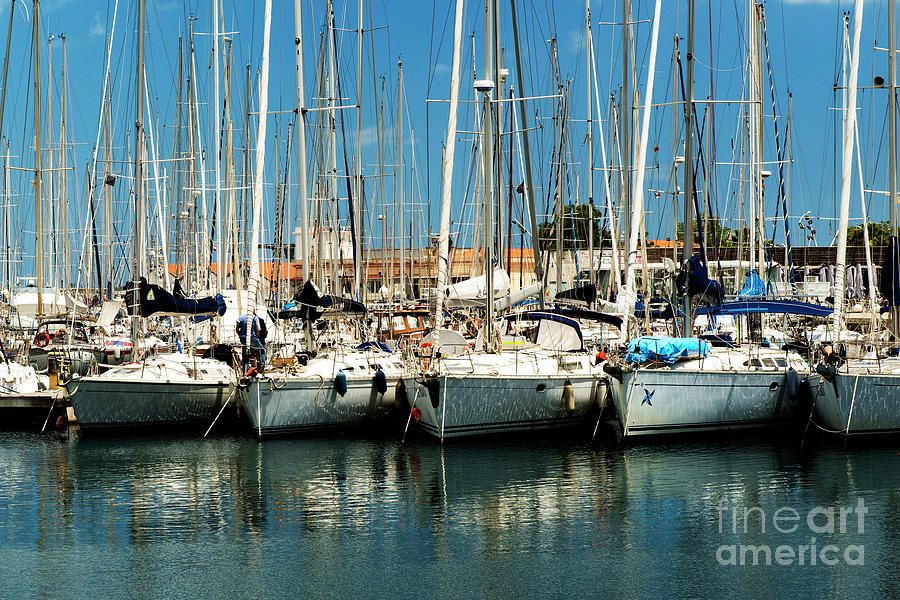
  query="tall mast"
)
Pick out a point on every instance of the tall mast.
point(529, 188)
point(332, 166)
point(399, 170)
point(688, 164)
point(847, 171)
point(485, 86)
point(443, 274)
point(590, 142)
point(892, 146)
point(38, 250)
point(301, 140)
point(217, 206)
point(626, 116)
point(358, 284)
point(138, 177)
point(175, 190)
point(253, 284)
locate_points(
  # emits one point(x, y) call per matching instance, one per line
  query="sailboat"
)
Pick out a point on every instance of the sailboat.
point(548, 380)
point(857, 395)
point(338, 387)
point(674, 386)
point(163, 391)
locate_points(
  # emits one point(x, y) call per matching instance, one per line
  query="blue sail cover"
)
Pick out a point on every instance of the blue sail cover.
point(664, 349)
point(753, 286)
point(698, 282)
point(156, 299)
point(889, 286)
point(761, 305)
point(308, 305)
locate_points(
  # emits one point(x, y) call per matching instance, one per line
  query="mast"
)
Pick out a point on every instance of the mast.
point(485, 86)
point(38, 250)
point(529, 188)
point(399, 171)
point(849, 123)
point(332, 167)
point(301, 140)
point(253, 284)
point(358, 284)
point(443, 273)
point(590, 143)
point(175, 190)
point(637, 199)
point(626, 117)
point(217, 206)
point(138, 178)
point(892, 148)
point(688, 164)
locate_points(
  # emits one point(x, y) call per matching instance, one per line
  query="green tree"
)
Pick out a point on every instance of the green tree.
point(718, 234)
point(575, 218)
point(878, 234)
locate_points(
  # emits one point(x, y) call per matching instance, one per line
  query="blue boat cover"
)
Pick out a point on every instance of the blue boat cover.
point(753, 286)
point(664, 349)
point(761, 305)
point(694, 277)
point(372, 344)
point(308, 305)
point(155, 299)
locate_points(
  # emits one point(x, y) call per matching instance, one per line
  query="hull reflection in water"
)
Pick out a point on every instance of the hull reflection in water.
point(364, 517)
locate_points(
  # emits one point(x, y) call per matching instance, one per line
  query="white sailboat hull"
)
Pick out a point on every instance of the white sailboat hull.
point(298, 405)
point(102, 404)
point(166, 391)
point(457, 405)
point(858, 403)
point(651, 402)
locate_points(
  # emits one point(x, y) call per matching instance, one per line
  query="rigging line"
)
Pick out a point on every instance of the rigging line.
point(717, 69)
point(782, 192)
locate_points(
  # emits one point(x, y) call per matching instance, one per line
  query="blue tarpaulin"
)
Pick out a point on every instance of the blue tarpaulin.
point(664, 349)
point(753, 286)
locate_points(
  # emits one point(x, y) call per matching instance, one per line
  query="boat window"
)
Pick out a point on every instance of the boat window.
point(781, 362)
point(412, 322)
point(753, 362)
point(399, 323)
point(768, 362)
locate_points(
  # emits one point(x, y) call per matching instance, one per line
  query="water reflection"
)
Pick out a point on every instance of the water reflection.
point(359, 515)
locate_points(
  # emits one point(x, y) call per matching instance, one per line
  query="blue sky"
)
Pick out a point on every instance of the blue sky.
point(803, 38)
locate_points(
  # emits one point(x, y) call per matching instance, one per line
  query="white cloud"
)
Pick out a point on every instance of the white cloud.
point(97, 28)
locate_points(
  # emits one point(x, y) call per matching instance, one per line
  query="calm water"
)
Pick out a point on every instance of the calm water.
point(234, 518)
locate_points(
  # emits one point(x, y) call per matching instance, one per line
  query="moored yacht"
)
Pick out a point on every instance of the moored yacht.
point(163, 391)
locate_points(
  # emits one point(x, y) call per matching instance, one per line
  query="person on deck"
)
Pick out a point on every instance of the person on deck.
point(257, 341)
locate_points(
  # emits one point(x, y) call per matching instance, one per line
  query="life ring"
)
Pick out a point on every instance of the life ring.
point(42, 338)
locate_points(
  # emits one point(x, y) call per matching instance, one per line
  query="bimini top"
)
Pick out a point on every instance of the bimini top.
point(664, 349)
point(589, 315)
point(554, 331)
point(760, 305)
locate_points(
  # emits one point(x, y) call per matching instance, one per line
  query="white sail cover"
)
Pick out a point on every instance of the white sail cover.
point(559, 334)
point(473, 291)
point(26, 302)
point(446, 341)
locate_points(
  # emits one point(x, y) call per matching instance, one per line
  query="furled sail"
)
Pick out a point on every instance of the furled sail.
point(155, 299)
